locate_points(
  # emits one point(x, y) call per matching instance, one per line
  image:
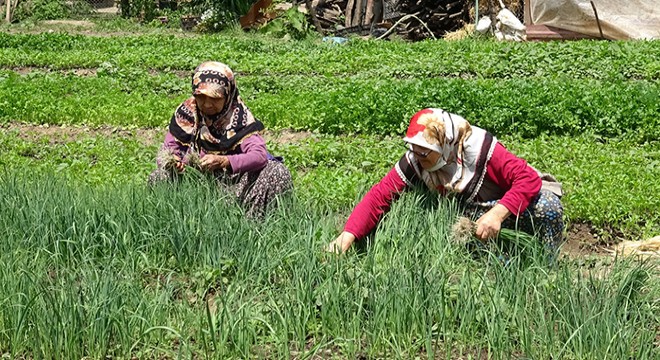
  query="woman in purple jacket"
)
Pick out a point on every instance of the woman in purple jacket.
point(214, 131)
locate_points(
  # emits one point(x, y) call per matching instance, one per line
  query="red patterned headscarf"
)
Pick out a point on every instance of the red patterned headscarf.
point(464, 151)
point(220, 133)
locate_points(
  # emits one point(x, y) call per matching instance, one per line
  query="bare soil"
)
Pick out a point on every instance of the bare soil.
point(88, 28)
point(77, 23)
point(581, 241)
point(64, 134)
point(82, 72)
point(148, 136)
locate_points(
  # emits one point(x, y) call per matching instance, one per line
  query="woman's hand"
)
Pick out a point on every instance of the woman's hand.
point(213, 162)
point(490, 223)
point(341, 243)
point(179, 166)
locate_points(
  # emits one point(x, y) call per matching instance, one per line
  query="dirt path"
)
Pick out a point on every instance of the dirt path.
point(89, 28)
point(65, 134)
point(84, 72)
point(147, 136)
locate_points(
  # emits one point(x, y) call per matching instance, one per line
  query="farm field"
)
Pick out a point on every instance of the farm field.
point(96, 264)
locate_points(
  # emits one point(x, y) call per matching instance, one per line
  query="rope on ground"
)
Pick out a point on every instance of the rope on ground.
point(414, 16)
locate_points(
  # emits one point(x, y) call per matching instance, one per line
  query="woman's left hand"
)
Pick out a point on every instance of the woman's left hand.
point(213, 162)
point(490, 223)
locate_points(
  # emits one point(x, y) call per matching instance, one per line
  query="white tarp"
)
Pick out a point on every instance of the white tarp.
point(619, 19)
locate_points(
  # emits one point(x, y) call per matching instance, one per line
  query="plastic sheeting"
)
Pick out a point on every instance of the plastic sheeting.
point(619, 19)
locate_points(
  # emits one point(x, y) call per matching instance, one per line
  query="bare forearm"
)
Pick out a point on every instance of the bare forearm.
point(500, 212)
point(342, 243)
point(490, 223)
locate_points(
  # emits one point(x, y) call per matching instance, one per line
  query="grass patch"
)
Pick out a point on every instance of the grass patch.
point(96, 264)
point(334, 171)
point(127, 271)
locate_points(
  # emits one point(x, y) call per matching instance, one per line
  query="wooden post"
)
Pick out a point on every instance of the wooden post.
point(597, 20)
point(369, 13)
point(349, 13)
point(528, 13)
point(358, 12)
point(8, 6)
point(363, 12)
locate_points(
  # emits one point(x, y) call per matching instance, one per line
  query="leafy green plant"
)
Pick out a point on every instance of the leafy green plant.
point(214, 20)
point(144, 10)
point(259, 54)
point(292, 23)
point(216, 15)
point(527, 107)
point(42, 10)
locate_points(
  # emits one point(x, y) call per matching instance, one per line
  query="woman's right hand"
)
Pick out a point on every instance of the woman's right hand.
point(490, 223)
point(179, 165)
point(342, 243)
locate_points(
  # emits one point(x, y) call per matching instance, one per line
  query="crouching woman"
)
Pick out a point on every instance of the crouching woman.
point(452, 158)
point(214, 131)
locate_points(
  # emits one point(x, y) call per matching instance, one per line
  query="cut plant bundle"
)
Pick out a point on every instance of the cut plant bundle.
point(464, 230)
point(193, 159)
point(169, 160)
point(511, 247)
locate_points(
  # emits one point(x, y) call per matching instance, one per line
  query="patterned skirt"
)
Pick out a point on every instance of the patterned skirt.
point(543, 217)
point(254, 190)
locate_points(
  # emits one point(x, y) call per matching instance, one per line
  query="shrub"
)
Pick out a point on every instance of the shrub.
point(217, 14)
point(292, 23)
point(145, 10)
point(42, 10)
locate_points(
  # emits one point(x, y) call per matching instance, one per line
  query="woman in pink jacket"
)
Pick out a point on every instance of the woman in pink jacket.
point(452, 158)
point(214, 131)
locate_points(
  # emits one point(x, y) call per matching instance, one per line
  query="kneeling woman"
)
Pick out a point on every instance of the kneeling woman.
point(449, 156)
point(215, 131)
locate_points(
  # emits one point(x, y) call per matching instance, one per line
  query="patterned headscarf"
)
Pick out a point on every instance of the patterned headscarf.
point(219, 133)
point(464, 151)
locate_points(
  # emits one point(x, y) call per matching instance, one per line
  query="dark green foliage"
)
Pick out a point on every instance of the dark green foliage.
point(216, 15)
point(527, 107)
point(470, 59)
point(292, 24)
point(41, 10)
point(144, 9)
point(369, 87)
